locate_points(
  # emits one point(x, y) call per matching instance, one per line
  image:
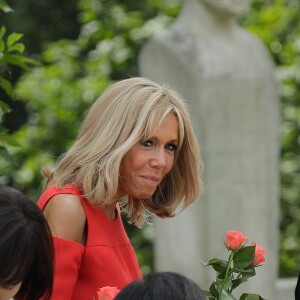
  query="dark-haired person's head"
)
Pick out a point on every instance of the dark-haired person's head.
point(162, 285)
point(26, 249)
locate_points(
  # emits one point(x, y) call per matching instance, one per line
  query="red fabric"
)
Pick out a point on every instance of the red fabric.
point(107, 259)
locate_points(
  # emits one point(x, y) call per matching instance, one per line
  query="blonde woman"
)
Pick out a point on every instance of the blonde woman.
point(136, 152)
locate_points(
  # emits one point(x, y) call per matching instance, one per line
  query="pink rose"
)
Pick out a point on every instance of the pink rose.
point(259, 254)
point(234, 240)
point(107, 293)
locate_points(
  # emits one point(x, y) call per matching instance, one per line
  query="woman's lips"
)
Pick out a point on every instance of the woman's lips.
point(151, 178)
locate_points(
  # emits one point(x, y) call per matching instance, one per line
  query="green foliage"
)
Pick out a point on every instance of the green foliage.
point(11, 53)
point(5, 7)
point(46, 20)
point(244, 257)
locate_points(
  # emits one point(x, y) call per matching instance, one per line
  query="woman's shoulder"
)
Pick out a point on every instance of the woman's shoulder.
point(53, 190)
point(65, 202)
point(66, 217)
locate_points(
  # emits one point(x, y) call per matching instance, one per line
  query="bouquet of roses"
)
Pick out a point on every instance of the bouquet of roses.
point(239, 267)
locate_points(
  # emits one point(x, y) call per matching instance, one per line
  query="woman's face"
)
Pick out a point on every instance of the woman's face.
point(147, 162)
point(8, 292)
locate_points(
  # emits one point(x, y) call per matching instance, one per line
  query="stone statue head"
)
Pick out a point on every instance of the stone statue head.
point(229, 7)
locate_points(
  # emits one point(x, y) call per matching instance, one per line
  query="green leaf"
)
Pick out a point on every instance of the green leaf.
point(18, 47)
point(218, 265)
point(2, 46)
point(225, 283)
point(5, 155)
point(4, 7)
point(246, 296)
point(244, 257)
point(246, 272)
point(237, 282)
point(2, 31)
point(4, 107)
point(213, 290)
point(6, 86)
point(14, 59)
point(19, 60)
point(13, 38)
point(222, 275)
point(226, 295)
point(7, 140)
point(3, 132)
point(220, 289)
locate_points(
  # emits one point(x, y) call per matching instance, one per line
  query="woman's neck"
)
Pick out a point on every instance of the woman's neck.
point(110, 211)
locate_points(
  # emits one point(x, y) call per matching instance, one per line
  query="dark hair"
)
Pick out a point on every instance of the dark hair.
point(162, 285)
point(26, 248)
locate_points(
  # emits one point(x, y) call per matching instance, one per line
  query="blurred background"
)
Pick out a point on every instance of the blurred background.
point(57, 56)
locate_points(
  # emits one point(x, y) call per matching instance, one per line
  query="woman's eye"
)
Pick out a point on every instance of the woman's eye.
point(147, 143)
point(171, 147)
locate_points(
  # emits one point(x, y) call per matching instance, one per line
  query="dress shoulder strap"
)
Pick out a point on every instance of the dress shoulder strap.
point(53, 190)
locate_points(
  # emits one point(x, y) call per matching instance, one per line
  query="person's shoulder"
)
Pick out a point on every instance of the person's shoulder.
point(66, 217)
point(66, 203)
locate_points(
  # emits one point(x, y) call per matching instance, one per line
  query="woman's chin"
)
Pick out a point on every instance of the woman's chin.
point(144, 195)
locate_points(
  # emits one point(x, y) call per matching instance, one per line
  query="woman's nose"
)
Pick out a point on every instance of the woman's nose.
point(158, 159)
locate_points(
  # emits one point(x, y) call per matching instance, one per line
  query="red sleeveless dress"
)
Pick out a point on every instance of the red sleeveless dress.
point(107, 258)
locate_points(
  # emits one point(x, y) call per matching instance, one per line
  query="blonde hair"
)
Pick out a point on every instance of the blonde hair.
point(127, 112)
